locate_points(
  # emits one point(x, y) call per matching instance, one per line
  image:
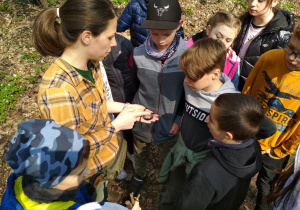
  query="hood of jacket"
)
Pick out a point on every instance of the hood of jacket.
point(242, 160)
point(203, 99)
point(283, 20)
point(227, 87)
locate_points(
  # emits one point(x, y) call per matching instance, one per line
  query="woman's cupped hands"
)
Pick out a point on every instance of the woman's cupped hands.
point(133, 113)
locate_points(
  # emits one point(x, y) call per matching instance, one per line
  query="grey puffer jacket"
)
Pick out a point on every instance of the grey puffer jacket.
point(275, 35)
point(160, 90)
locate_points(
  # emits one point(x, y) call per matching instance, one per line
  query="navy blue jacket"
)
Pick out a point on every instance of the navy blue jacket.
point(9, 200)
point(132, 17)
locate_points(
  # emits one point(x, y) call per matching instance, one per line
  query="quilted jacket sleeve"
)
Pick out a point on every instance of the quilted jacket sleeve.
point(126, 20)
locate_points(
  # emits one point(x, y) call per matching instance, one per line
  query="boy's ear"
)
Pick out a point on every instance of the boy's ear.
point(86, 37)
point(228, 135)
point(216, 73)
point(179, 25)
point(208, 30)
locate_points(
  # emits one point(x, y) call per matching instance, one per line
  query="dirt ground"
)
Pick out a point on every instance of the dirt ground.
point(15, 32)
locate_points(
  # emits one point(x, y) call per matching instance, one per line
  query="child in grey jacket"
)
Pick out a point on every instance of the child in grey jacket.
point(161, 84)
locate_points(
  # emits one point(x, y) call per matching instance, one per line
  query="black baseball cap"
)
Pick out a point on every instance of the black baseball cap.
point(162, 14)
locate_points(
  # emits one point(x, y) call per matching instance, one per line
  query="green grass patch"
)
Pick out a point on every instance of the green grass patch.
point(242, 3)
point(121, 1)
point(288, 5)
point(9, 92)
point(30, 56)
point(188, 11)
point(4, 6)
point(31, 79)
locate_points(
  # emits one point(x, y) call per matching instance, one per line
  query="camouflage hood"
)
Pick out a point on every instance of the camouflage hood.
point(44, 151)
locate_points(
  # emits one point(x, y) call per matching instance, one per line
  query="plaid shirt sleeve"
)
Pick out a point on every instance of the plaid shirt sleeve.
point(81, 107)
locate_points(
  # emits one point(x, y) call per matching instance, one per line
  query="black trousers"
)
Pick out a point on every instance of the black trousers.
point(128, 136)
point(175, 188)
point(266, 178)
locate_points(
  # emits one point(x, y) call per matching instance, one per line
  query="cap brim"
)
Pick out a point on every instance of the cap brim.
point(160, 25)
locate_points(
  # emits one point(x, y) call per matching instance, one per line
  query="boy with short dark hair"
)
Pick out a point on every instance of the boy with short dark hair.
point(274, 80)
point(161, 84)
point(222, 179)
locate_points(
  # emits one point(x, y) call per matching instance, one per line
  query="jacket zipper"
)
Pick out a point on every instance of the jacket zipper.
point(159, 94)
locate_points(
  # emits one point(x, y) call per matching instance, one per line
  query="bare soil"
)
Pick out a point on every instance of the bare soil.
point(15, 33)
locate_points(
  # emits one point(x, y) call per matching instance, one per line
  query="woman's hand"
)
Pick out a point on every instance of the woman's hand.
point(137, 107)
point(129, 116)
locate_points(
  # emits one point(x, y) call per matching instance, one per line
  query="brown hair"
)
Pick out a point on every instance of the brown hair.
point(52, 34)
point(279, 193)
point(269, 5)
point(296, 32)
point(202, 58)
point(240, 114)
point(222, 17)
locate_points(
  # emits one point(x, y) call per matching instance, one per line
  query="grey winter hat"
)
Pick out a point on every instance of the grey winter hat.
point(44, 151)
point(162, 14)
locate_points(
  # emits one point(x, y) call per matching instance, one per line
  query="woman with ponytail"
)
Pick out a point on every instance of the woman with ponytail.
point(80, 34)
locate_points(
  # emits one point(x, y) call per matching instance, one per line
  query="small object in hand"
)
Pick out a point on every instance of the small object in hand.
point(137, 198)
point(148, 117)
point(128, 204)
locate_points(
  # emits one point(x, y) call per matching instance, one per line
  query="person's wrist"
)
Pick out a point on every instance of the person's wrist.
point(125, 105)
point(115, 125)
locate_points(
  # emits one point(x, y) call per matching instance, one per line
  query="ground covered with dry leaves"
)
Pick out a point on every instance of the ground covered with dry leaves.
point(17, 56)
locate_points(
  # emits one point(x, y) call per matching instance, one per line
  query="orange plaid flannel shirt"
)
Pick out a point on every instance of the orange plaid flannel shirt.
point(72, 101)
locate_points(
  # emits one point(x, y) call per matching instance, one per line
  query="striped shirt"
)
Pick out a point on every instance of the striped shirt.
point(72, 101)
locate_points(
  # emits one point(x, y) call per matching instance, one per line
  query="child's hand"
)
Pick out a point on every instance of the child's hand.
point(271, 153)
point(136, 206)
point(174, 130)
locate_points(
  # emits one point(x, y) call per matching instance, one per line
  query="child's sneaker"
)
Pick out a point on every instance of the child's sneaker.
point(131, 158)
point(135, 185)
point(122, 175)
